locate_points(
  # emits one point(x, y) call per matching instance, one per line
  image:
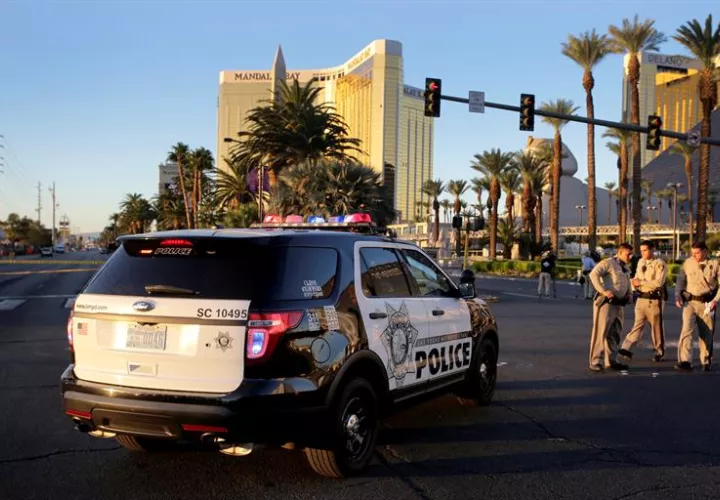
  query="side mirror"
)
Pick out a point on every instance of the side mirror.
point(467, 290)
point(467, 276)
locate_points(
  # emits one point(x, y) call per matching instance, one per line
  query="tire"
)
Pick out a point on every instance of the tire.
point(135, 443)
point(357, 406)
point(479, 386)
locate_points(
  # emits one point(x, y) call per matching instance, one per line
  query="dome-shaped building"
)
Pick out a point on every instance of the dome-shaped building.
point(573, 191)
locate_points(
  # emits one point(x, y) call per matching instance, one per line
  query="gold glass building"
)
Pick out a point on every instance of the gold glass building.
point(368, 92)
point(668, 88)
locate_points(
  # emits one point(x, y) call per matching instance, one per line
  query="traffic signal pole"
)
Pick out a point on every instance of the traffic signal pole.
point(583, 119)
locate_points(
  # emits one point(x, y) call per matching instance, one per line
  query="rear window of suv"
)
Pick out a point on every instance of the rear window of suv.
point(251, 268)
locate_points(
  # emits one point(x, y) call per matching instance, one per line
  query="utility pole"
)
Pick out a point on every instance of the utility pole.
point(39, 205)
point(54, 205)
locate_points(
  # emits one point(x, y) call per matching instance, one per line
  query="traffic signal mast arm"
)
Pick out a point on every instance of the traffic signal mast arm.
point(583, 119)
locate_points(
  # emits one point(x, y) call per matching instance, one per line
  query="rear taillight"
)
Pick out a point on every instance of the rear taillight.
point(265, 331)
point(70, 331)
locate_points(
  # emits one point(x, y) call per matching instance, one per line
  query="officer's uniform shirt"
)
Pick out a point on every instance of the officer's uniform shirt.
point(698, 278)
point(651, 273)
point(611, 274)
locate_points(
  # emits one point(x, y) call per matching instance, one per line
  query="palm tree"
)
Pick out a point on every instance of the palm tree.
point(295, 129)
point(687, 151)
point(610, 186)
point(493, 165)
point(538, 181)
point(510, 181)
point(635, 37)
point(528, 164)
point(232, 185)
point(566, 107)
point(587, 50)
point(704, 44)
point(433, 189)
point(179, 154)
point(201, 162)
point(479, 186)
point(620, 148)
point(713, 198)
point(457, 188)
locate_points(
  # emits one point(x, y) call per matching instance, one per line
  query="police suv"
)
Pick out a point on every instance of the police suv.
point(288, 334)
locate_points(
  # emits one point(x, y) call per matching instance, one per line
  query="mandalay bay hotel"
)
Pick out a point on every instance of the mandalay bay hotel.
point(369, 92)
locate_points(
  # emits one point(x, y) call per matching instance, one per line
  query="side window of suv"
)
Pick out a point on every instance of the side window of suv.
point(382, 273)
point(431, 282)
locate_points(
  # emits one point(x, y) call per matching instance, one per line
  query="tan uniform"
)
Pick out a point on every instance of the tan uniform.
point(697, 280)
point(608, 317)
point(650, 305)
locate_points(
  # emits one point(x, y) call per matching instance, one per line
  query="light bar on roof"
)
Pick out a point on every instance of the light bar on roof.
point(294, 219)
point(358, 218)
point(316, 219)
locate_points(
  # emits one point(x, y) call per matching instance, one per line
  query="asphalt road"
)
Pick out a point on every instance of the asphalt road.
point(554, 431)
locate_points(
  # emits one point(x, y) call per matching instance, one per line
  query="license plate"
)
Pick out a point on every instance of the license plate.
point(146, 337)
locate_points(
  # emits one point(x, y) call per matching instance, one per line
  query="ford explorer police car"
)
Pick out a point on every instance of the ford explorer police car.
point(287, 333)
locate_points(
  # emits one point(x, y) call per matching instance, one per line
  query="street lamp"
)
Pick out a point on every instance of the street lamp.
point(675, 245)
point(580, 208)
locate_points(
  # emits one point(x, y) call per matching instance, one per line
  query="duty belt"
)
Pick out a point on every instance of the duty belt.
point(655, 294)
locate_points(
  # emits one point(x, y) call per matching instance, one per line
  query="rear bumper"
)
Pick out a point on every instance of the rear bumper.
point(259, 411)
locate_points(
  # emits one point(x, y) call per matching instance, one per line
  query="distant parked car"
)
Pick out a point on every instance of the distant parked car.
point(46, 252)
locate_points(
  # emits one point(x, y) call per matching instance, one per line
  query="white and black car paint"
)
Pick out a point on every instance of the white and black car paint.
point(271, 337)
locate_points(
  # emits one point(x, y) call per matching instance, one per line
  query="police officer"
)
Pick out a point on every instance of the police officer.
point(546, 277)
point(697, 293)
point(611, 279)
point(651, 293)
point(588, 263)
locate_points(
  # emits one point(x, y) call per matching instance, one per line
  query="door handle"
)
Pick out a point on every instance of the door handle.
point(438, 312)
point(378, 315)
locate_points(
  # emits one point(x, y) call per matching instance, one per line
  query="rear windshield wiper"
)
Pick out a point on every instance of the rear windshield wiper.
point(170, 290)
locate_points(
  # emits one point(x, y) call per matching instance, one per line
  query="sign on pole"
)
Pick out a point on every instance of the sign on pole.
point(476, 102)
point(693, 139)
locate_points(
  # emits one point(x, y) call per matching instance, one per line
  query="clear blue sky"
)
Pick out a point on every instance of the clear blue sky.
point(94, 93)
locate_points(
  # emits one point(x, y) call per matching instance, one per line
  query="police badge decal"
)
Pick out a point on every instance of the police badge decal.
point(398, 339)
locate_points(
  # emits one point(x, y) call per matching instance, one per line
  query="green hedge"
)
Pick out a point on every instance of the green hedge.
point(531, 269)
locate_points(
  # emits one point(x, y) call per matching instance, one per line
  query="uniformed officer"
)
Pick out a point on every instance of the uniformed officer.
point(611, 279)
point(588, 263)
point(697, 293)
point(651, 293)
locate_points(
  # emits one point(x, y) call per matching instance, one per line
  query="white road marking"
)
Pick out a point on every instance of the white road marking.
point(10, 304)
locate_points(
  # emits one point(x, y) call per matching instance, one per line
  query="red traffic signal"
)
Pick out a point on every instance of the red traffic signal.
point(433, 92)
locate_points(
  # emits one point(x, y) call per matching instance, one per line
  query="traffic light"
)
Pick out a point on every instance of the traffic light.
point(478, 223)
point(653, 136)
point(527, 112)
point(433, 91)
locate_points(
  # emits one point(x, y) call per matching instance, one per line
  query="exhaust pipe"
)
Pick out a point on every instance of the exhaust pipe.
point(233, 449)
point(103, 434)
point(81, 426)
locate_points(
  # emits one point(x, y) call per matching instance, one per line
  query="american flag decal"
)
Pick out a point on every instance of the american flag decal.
point(82, 328)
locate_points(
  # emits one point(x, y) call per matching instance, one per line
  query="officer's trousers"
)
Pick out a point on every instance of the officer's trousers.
point(546, 284)
point(695, 320)
point(648, 311)
point(607, 328)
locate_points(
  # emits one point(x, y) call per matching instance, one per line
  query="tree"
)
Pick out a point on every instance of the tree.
point(457, 188)
point(493, 164)
point(703, 44)
point(687, 151)
point(587, 50)
point(567, 107)
point(232, 185)
point(295, 129)
point(529, 165)
point(180, 154)
point(610, 186)
point(510, 181)
point(647, 188)
point(620, 148)
point(635, 37)
point(201, 163)
point(434, 189)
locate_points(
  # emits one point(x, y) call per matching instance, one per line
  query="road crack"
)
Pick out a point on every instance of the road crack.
point(55, 454)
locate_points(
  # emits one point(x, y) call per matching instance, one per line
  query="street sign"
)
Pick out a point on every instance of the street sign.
point(693, 139)
point(476, 102)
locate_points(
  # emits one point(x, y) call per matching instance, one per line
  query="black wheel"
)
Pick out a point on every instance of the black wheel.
point(355, 428)
point(479, 385)
point(135, 443)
